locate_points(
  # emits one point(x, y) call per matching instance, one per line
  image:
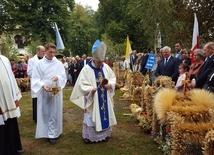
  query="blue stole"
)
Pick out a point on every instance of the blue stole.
point(102, 96)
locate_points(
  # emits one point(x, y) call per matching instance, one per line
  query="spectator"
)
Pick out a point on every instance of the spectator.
point(208, 65)
point(178, 50)
point(183, 69)
point(185, 55)
point(198, 63)
point(168, 66)
point(133, 58)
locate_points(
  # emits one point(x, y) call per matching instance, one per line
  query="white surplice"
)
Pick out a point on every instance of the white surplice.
point(49, 108)
point(31, 65)
point(9, 91)
point(84, 84)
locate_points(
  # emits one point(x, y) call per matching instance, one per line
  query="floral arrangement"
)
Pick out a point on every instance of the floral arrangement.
point(163, 139)
point(23, 83)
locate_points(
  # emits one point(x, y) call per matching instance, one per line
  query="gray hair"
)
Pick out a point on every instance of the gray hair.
point(166, 47)
point(200, 52)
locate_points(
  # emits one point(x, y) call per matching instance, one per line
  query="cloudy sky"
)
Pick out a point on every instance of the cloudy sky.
point(92, 3)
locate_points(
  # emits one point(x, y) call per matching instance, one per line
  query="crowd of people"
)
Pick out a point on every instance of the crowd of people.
point(94, 91)
point(195, 68)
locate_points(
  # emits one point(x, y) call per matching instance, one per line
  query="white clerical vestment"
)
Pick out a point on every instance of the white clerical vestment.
point(84, 84)
point(31, 65)
point(10, 92)
point(49, 107)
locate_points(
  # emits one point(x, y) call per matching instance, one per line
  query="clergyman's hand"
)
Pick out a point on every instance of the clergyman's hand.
point(93, 90)
point(107, 86)
point(46, 88)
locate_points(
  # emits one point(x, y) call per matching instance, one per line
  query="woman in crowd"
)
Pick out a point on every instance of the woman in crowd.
point(185, 54)
point(199, 61)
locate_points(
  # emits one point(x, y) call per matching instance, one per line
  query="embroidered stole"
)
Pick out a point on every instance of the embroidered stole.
point(102, 96)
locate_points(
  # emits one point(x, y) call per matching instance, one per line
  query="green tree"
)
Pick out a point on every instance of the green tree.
point(204, 11)
point(35, 18)
point(82, 31)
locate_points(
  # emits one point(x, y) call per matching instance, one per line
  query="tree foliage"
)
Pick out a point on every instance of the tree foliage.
point(82, 31)
point(34, 18)
point(112, 22)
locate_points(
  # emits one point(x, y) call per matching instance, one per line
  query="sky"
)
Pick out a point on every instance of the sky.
point(92, 3)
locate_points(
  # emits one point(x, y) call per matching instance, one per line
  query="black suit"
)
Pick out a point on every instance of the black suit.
point(82, 63)
point(204, 71)
point(133, 58)
point(209, 85)
point(170, 69)
point(188, 61)
point(74, 75)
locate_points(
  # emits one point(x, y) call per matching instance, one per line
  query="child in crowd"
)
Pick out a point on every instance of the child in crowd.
point(183, 69)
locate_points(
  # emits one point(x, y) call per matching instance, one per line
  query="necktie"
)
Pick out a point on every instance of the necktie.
point(165, 61)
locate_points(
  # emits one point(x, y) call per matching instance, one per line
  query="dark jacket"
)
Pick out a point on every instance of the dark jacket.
point(209, 84)
point(204, 71)
point(171, 68)
point(132, 61)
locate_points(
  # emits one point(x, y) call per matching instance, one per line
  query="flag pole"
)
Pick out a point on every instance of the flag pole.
point(195, 38)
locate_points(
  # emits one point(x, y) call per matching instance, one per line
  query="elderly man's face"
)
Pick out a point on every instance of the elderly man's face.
point(97, 63)
point(208, 51)
point(41, 52)
point(166, 53)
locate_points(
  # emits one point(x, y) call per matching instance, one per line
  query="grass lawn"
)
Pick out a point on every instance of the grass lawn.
point(126, 138)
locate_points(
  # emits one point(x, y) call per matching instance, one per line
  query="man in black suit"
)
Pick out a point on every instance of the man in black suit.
point(168, 66)
point(208, 65)
point(84, 61)
point(144, 70)
point(133, 58)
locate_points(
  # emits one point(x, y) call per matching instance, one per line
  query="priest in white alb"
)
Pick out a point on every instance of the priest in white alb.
point(93, 92)
point(10, 142)
point(48, 75)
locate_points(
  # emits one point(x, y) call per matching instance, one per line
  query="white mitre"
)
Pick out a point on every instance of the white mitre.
point(99, 50)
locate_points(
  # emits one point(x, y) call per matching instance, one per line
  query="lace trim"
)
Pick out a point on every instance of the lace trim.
point(90, 133)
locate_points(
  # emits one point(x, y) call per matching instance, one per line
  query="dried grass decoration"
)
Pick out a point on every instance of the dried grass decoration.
point(136, 78)
point(164, 81)
point(191, 116)
point(209, 143)
point(147, 106)
point(137, 95)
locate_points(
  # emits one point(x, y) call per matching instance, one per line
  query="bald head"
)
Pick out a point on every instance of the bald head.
point(40, 51)
point(209, 49)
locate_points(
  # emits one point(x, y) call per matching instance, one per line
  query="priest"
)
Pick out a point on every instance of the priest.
point(93, 92)
point(48, 75)
point(40, 50)
point(10, 143)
